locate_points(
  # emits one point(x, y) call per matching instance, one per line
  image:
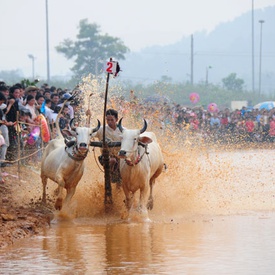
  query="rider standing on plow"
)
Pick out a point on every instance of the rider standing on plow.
point(112, 134)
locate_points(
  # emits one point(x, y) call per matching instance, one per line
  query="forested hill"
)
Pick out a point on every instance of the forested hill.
point(227, 49)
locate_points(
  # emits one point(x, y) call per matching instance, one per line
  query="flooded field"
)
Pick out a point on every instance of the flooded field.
point(213, 213)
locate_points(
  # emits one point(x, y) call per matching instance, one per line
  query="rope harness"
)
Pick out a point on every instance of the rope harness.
point(139, 157)
point(75, 154)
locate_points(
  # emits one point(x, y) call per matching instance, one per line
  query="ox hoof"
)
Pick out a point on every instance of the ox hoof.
point(58, 208)
point(58, 204)
point(150, 205)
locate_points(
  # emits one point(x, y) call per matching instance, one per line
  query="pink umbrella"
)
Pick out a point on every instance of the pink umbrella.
point(194, 98)
point(212, 107)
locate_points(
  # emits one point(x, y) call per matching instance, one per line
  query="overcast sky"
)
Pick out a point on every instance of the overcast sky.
point(139, 24)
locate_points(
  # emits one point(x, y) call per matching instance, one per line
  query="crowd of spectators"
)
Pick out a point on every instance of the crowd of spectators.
point(225, 126)
point(24, 104)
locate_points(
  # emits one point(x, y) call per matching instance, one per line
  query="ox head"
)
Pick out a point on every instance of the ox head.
point(81, 136)
point(131, 139)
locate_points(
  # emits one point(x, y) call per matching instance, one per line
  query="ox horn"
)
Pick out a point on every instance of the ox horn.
point(120, 125)
point(97, 127)
point(144, 127)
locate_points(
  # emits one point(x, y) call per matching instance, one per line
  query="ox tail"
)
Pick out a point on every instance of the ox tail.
point(165, 167)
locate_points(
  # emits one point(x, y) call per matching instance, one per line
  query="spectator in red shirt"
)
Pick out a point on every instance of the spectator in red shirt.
point(194, 122)
point(249, 128)
point(224, 122)
point(271, 131)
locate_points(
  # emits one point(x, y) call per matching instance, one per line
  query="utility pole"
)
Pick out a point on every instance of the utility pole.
point(206, 74)
point(260, 63)
point(47, 43)
point(192, 60)
point(253, 71)
point(31, 56)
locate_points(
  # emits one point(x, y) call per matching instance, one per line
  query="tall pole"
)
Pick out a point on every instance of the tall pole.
point(260, 63)
point(32, 58)
point(253, 70)
point(192, 60)
point(206, 74)
point(33, 68)
point(105, 152)
point(47, 42)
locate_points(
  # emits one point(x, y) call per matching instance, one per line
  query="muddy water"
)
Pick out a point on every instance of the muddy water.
point(213, 214)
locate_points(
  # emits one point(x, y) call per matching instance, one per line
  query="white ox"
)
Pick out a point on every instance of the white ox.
point(64, 163)
point(141, 162)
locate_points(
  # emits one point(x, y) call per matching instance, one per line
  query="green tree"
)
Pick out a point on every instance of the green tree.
point(91, 49)
point(232, 83)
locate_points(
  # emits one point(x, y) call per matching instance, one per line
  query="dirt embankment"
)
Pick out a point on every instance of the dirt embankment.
point(21, 214)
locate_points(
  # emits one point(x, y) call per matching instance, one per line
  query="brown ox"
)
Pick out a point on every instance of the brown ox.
point(64, 163)
point(141, 162)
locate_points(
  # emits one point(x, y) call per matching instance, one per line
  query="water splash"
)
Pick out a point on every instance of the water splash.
point(201, 178)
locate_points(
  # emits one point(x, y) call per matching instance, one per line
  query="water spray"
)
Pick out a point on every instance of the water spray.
point(89, 111)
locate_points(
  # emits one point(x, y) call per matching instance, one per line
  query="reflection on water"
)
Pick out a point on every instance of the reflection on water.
point(213, 214)
point(219, 245)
